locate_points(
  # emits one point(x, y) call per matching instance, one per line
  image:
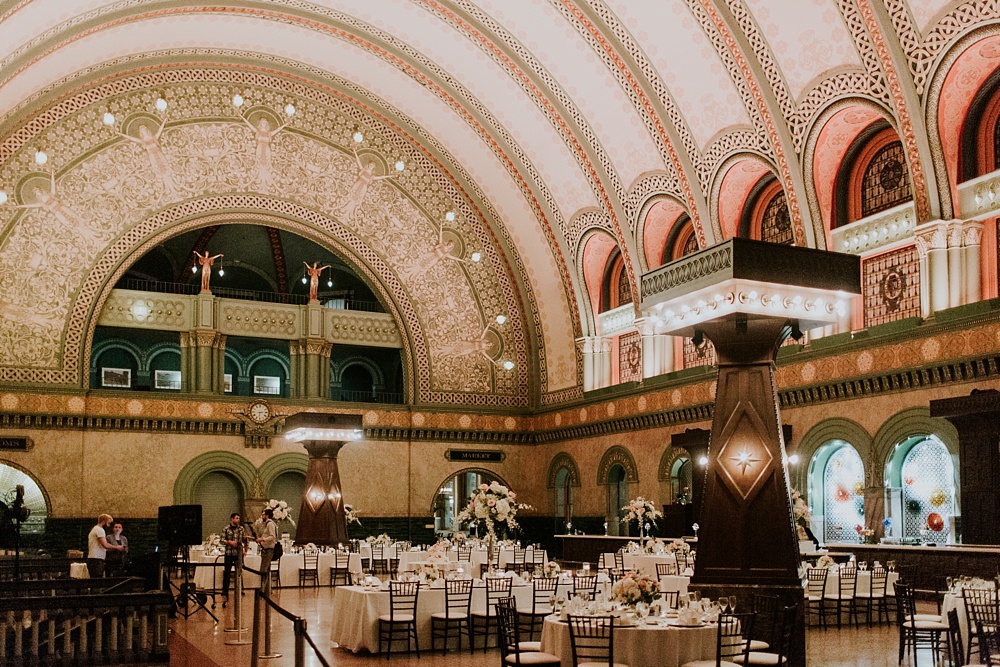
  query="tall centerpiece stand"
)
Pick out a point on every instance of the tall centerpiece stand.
point(495, 507)
point(747, 297)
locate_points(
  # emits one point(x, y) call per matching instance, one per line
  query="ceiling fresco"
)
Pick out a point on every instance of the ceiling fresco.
point(455, 153)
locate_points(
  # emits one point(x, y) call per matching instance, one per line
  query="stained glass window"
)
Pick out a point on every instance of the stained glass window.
point(624, 293)
point(928, 477)
point(886, 182)
point(698, 356)
point(690, 245)
point(843, 495)
point(996, 143)
point(891, 286)
point(630, 357)
point(776, 225)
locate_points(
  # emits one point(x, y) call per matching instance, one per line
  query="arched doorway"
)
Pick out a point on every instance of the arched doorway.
point(922, 470)
point(453, 495)
point(34, 501)
point(617, 499)
point(219, 494)
point(289, 486)
point(836, 492)
point(563, 499)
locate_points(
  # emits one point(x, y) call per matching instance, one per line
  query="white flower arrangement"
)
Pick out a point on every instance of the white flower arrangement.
point(428, 573)
point(640, 510)
point(351, 515)
point(551, 569)
point(678, 545)
point(825, 561)
point(214, 540)
point(439, 551)
point(381, 539)
point(281, 510)
point(800, 508)
point(634, 588)
point(494, 505)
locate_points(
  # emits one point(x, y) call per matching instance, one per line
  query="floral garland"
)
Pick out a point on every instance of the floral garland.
point(281, 510)
point(494, 505)
point(634, 588)
point(640, 510)
point(351, 515)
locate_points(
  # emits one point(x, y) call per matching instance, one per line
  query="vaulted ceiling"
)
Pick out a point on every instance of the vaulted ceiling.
point(520, 126)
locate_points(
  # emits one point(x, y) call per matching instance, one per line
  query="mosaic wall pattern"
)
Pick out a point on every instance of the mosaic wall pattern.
point(843, 495)
point(891, 286)
point(630, 357)
point(928, 490)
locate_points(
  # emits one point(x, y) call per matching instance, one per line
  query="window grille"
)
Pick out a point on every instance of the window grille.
point(891, 286)
point(776, 225)
point(624, 293)
point(690, 245)
point(928, 488)
point(698, 356)
point(630, 357)
point(886, 182)
point(843, 495)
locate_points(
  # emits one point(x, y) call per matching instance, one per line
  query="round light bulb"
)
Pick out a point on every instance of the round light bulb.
point(41, 157)
point(161, 104)
point(194, 269)
point(703, 461)
point(305, 280)
point(501, 319)
point(237, 100)
point(289, 109)
point(508, 365)
point(793, 459)
point(3, 197)
point(450, 216)
point(400, 165)
point(222, 272)
point(476, 256)
point(109, 119)
point(358, 137)
point(329, 283)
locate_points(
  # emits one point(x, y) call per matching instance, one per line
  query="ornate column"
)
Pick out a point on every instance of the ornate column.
point(586, 347)
point(317, 367)
point(932, 249)
point(603, 362)
point(321, 518)
point(747, 297)
point(977, 419)
point(972, 234)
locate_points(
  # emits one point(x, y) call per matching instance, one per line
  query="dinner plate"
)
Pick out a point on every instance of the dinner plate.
point(683, 625)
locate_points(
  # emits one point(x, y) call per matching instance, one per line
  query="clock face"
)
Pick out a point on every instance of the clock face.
point(260, 412)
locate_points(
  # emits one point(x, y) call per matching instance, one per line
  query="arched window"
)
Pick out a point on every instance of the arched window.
point(776, 223)
point(765, 216)
point(836, 492)
point(873, 177)
point(922, 470)
point(617, 499)
point(690, 244)
point(680, 481)
point(289, 486)
point(563, 498)
point(34, 499)
point(615, 290)
point(681, 242)
point(357, 384)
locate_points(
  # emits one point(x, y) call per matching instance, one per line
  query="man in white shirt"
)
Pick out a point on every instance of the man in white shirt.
point(267, 537)
point(98, 546)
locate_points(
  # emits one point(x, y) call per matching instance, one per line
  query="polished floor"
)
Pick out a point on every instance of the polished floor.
point(199, 642)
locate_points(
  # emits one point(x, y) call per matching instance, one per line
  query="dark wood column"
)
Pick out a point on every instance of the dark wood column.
point(322, 520)
point(977, 418)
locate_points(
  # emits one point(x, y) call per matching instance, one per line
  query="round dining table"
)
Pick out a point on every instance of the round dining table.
point(646, 645)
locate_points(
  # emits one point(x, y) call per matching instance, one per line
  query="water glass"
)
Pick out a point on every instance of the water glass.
point(732, 603)
point(724, 604)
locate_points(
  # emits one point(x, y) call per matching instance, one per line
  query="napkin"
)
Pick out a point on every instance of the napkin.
point(688, 617)
point(688, 572)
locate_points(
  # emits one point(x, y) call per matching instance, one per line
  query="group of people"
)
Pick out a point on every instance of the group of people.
point(106, 554)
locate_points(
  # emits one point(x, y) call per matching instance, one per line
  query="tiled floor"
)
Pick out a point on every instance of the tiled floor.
point(198, 642)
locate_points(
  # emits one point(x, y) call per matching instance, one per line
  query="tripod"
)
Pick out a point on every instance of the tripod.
point(187, 602)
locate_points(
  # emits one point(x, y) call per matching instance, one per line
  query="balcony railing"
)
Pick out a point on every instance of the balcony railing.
point(336, 301)
point(369, 397)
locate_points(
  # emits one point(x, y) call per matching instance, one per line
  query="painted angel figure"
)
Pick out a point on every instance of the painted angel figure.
point(356, 194)
point(445, 249)
point(49, 201)
point(150, 142)
point(206, 268)
point(265, 170)
point(465, 348)
point(314, 270)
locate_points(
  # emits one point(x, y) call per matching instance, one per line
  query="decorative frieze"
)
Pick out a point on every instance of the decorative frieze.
point(879, 232)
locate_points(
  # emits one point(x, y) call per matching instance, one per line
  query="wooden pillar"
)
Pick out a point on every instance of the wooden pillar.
point(322, 520)
point(977, 419)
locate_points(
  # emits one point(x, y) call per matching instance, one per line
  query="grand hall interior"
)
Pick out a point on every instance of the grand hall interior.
point(687, 307)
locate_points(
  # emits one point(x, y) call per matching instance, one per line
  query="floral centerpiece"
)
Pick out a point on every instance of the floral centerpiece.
point(825, 561)
point(439, 551)
point(493, 505)
point(551, 569)
point(428, 573)
point(383, 539)
point(351, 515)
point(634, 588)
point(281, 510)
point(656, 545)
point(640, 510)
point(678, 546)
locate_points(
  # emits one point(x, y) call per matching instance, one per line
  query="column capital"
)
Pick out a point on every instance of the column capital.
point(645, 326)
point(933, 234)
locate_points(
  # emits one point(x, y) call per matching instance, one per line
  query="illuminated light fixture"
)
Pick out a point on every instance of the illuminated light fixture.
point(358, 137)
point(320, 426)
point(400, 165)
point(744, 461)
point(3, 197)
point(797, 300)
point(109, 119)
point(508, 365)
point(332, 496)
point(222, 272)
point(41, 157)
point(305, 281)
point(194, 269)
point(476, 256)
point(501, 319)
point(450, 216)
point(703, 461)
point(140, 310)
point(289, 109)
point(329, 283)
point(793, 459)
point(238, 100)
point(317, 495)
point(161, 104)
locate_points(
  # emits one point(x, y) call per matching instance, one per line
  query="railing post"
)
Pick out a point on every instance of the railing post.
point(255, 644)
point(300, 642)
point(238, 597)
point(267, 627)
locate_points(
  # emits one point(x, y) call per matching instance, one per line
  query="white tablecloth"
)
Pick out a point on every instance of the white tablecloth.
point(409, 560)
point(289, 565)
point(355, 613)
point(640, 646)
point(957, 602)
point(864, 586)
point(79, 571)
point(646, 563)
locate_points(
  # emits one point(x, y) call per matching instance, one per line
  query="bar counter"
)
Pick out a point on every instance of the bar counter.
point(933, 563)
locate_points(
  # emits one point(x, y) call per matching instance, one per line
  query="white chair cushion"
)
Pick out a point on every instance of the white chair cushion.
point(483, 614)
point(758, 645)
point(455, 615)
point(926, 625)
point(837, 596)
point(709, 663)
point(543, 610)
point(761, 658)
point(604, 664)
point(533, 658)
point(927, 617)
point(400, 618)
point(529, 646)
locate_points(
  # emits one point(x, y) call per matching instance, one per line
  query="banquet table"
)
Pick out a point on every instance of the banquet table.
point(646, 563)
point(355, 612)
point(410, 560)
point(640, 646)
point(864, 583)
point(957, 602)
point(288, 567)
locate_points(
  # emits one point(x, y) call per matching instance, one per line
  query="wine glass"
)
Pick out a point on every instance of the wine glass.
point(724, 604)
point(732, 603)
